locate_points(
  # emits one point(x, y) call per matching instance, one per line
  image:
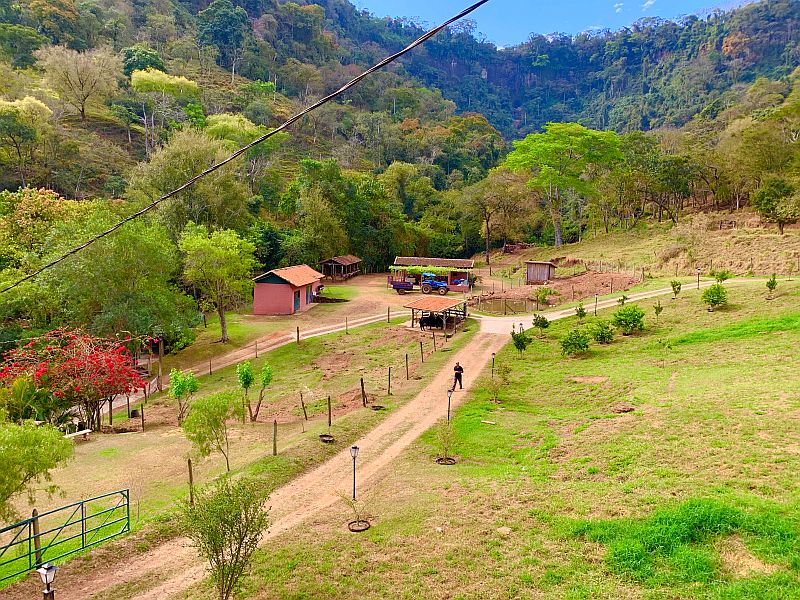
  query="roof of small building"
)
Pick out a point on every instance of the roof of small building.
point(345, 261)
point(298, 275)
point(540, 262)
point(434, 303)
point(416, 261)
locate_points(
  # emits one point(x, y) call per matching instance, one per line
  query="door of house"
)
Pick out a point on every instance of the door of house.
point(297, 301)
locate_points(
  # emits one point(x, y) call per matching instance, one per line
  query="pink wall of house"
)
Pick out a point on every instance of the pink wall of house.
point(279, 298)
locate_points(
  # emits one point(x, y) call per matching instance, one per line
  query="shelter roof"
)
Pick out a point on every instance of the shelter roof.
point(434, 304)
point(298, 275)
point(416, 261)
point(345, 261)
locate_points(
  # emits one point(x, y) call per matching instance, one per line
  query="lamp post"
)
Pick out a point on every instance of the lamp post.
point(449, 396)
point(698, 278)
point(493, 355)
point(48, 573)
point(354, 454)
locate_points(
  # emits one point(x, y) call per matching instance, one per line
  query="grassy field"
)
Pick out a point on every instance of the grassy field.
point(693, 494)
point(327, 365)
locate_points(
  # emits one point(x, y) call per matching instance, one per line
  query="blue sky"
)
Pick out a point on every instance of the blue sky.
point(506, 22)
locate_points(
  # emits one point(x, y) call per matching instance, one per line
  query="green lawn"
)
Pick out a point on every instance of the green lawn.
point(556, 495)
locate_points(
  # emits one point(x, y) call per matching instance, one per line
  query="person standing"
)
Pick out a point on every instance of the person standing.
point(458, 378)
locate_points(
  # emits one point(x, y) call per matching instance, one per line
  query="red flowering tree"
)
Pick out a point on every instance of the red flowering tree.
point(81, 371)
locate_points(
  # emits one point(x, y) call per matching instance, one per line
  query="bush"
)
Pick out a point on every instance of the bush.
point(715, 296)
point(581, 313)
point(541, 323)
point(676, 288)
point(603, 332)
point(574, 343)
point(521, 340)
point(722, 275)
point(629, 319)
point(772, 285)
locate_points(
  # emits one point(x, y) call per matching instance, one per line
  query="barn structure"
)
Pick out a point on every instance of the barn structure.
point(341, 267)
point(540, 272)
point(286, 291)
point(455, 271)
point(438, 312)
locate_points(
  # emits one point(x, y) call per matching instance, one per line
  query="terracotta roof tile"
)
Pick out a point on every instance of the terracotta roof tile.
point(434, 303)
point(346, 260)
point(298, 276)
point(415, 261)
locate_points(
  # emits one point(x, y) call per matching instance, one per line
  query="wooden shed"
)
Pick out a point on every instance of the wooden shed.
point(341, 267)
point(286, 291)
point(540, 272)
point(439, 312)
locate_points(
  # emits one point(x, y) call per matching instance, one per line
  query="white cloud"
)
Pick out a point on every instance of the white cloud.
point(618, 7)
point(648, 4)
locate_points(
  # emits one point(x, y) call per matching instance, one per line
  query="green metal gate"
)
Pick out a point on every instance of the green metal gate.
point(58, 533)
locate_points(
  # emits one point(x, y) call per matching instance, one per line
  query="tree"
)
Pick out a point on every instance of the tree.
point(580, 312)
point(28, 452)
point(722, 275)
point(772, 285)
point(602, 332)
point(777, 202)
point(265, 379)
point(658, 308)
point(226, 523)
point(629, 319)
point(220, 265)
point(676, 288)
point(140, 57)
point(225, 26)
point(182, 386)
point(715, 296)
point(19, 42)
point(21, 124)
point(81, 79)
point(574, 343)
point(206, 425)
point(561, 159)
point(216, 201)
point(246, 377)
point(541, 323)
point(445, 438)
point(521, 340)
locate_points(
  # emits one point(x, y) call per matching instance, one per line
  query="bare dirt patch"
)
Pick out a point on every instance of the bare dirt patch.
point(739, 561)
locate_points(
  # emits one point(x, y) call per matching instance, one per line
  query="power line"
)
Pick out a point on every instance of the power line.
point(386, 61)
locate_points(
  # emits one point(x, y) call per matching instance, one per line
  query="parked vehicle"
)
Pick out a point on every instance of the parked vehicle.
point(430, 285)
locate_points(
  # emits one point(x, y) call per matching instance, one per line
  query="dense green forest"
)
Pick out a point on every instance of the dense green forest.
point(107, 104)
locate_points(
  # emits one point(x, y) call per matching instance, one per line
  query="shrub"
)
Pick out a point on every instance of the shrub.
point(772, 285)
point(574, 343)
point(629, 319)
point(543, 295)
point(676, 288)
point(226, 523)
point(603, 332)
point(715, 296)
point(445, 438)
point(658, 308)
point(722, 275)
point(541, 323)
point(580, 311)
point(521, 340)
point(622, 300)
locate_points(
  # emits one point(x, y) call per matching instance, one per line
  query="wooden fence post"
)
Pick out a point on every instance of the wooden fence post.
point(256, 348)
point(141, 414)
point(303, 406)
point(388, 317)
point(407, 377)
point(209, 365)
point(160, 363)
point(434, 341)
point(363, 394)
point(128, 403)
point(298, 335)
point(347, 332)
point(37, 542)
point(330, 413)
point(389, 388)
point(191, 481)
point(275, 437)
point(421, 352)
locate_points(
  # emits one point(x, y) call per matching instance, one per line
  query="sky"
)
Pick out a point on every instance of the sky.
point(507, 22)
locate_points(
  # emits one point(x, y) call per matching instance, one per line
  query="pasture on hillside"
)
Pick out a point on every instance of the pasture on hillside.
point(693, 494)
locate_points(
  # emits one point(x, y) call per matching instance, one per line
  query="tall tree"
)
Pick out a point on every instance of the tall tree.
point(562, 159)
point(81, 79)
point(220, 265)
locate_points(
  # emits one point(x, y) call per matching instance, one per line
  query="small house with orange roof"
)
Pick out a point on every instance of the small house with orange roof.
point(286, 291)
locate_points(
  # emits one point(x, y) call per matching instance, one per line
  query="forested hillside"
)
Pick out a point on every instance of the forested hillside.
point(107, 104)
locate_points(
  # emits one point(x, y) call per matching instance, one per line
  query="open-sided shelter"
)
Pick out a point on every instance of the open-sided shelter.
point(341, 267)
point(539, 272)
point(286, 291)
point(438, 312)
point(454, 271)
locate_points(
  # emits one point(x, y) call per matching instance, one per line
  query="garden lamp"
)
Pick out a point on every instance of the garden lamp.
point(354, 454)
point(493, 355)
point(48, 573)
point(449, 396)
point(698, 278)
